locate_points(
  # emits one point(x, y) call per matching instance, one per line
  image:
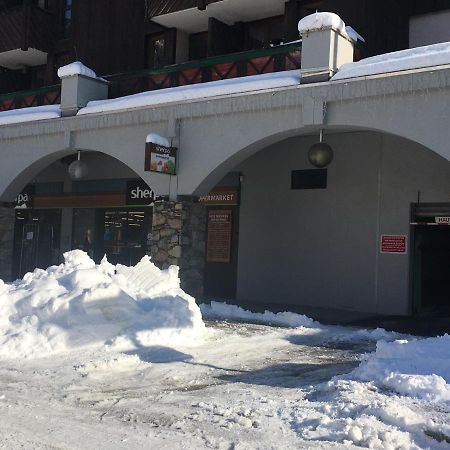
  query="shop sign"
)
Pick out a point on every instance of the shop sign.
point(221, 196)
point(442, 220)
point(138, 193)
point(219, 236)
point(25, 198)
point(159, 158)
point(393, 243)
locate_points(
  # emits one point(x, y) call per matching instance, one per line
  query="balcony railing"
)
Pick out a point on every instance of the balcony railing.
point(26, 26)
point(49, 95)
point(274, 59)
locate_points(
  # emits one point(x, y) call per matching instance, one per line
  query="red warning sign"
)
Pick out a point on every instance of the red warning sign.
point(393, 243)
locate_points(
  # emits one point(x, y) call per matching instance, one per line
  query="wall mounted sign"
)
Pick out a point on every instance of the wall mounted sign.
point(442, 220)
point(390, 243)
point(138, 193)
point(25, 198)
point(160, 159)
point(221, 196)
point(219, 236)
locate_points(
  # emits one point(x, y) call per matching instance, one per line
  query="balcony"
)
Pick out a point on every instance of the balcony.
point(49, 95)
point(274, 59)
point(26, 33)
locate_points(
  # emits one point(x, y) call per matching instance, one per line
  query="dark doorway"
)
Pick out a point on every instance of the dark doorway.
point(221, 251)
point(37, 236)
point(431, 268)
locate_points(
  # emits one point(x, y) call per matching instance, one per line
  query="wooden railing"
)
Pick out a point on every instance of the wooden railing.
point(275, 59)
point(49, 95)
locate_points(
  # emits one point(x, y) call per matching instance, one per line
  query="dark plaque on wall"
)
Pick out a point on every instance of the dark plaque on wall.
point(219, 236)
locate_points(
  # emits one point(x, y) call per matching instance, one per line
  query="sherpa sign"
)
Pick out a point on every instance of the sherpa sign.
point(159, 158)
point(25, 198)
point(138, 193)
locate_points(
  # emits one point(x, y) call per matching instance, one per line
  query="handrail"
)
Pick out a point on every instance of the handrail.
point(207, 62)
point(30, 92)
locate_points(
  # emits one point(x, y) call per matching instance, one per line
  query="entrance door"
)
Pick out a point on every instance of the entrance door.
point(431, 277)
point(36, 240)
point(221, 251)
point(122, 234)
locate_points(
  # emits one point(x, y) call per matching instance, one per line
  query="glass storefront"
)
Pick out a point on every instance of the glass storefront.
point(122, 234)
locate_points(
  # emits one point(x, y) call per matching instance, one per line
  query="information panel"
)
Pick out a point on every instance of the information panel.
point(393, 243)
point(219, 236)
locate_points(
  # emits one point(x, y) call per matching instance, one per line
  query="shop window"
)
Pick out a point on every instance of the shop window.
point(155, 49)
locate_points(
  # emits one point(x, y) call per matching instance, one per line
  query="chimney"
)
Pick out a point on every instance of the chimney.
point(79, 85)
point(326, 46)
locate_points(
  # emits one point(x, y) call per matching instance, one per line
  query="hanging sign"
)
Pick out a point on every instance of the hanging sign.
point(393, 243)
point(138, 193)
point(221, 196)
point(219, 236)
point(159, 158)
point(442, 220)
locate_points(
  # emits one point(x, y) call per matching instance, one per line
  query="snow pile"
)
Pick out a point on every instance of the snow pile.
point(76, 68)
point(218, 310)
point(81, 304)
point(417, 368)
point(321, 21)
point(195, 92)
point(413, 58)
point(30, 114)
point(157, 139)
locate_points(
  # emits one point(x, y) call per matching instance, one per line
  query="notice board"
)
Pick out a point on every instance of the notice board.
point(392, 243)
point(219, 235)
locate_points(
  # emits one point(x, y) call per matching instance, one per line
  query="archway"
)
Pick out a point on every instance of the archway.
point(320, 248)
point(109, 211)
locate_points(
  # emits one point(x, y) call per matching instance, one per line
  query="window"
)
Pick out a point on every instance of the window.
point(67, 17)
point(155, 47)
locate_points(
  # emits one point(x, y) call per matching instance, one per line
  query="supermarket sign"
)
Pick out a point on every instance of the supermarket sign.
point(159, 158)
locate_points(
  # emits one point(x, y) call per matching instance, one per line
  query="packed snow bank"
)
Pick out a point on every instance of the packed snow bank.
point(30, 114)
point(195, 91)
point(218, 310)
point(417, 368)
point(76, 68)
point(413, 58)
point(81, 304)
point(157, 139)
point(321, 20)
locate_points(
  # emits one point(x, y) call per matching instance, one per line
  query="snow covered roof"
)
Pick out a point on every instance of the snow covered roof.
point(30, 114)
point(196, 91)
point(76, 68)
point(413, 58)
point(322, 20)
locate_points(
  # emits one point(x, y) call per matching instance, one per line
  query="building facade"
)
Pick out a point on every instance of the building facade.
point(246, 216)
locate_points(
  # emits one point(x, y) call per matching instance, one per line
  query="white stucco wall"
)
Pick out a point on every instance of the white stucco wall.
point(321, 247)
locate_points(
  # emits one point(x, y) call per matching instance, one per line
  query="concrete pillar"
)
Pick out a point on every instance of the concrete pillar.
point(179, 229)
point(7, 219)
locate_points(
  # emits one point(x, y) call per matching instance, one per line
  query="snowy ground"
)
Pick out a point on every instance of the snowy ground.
point(246, 386)
point(96, 356)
